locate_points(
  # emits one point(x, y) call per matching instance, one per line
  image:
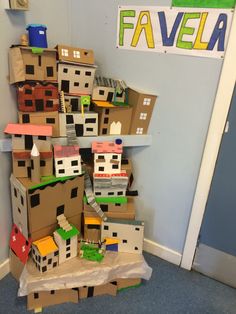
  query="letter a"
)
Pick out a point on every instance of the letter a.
point(146, 27)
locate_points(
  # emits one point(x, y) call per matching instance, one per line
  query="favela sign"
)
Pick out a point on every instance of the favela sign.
point(189, 31)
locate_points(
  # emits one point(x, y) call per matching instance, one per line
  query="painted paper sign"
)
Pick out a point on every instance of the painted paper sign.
point(197, 32)
point(204, 3)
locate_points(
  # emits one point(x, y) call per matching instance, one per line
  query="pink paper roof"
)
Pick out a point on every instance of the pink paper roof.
point(107, 147)
point(65, 151)
point(28, 129)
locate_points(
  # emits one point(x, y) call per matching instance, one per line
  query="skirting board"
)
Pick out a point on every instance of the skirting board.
point(4, 268)
point(162, 252)
point(149, 247)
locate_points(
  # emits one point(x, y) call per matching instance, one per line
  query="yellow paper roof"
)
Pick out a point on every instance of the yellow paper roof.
point(46, 245)
point(110, 241)
point(104, 104)
point(92, 221)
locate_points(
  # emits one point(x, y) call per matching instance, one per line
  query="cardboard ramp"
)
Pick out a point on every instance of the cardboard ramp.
point(80, 272)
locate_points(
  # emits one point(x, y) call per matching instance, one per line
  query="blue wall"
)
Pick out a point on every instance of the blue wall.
point(166, 173)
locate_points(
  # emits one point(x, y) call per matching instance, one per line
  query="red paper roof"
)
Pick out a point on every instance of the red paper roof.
point(27, 155)
point(28, 129)
point(66, 151)
point(107, 147)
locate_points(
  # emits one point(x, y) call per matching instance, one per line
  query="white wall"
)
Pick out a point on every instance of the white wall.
point(166, 173)
point(56, 15)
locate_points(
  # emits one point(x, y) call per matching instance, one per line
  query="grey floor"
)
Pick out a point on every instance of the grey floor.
point(170, 290)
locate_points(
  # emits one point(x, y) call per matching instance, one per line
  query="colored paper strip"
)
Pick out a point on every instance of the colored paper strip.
point(226, 4)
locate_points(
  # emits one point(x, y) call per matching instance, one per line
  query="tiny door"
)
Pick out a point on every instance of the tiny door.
point(79, 129)
point(65, 86)
point(110, 96)
point(216, 252)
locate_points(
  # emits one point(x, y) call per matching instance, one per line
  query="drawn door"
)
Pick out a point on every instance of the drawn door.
point(216, 252)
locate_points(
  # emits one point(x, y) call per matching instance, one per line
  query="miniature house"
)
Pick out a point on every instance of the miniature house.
point(66, 238)
point(67, 160)
point(76, 79)
point(129, 233)
point(21, 164)
point(110, 90)
point(37, 97)
point(19, 244)
point(75, 55)
point(31, 212)
point(107, 157)
point(24, 136)
point(92, 228)
point(142, 105)
point(41, 118)
point(45, 254)
point(113, 120)
point(110, 185)
point(32, 64)
point(85, 124)
point(73, 104)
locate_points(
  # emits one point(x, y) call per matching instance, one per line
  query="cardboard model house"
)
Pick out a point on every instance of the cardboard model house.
point(114, 207)
point(110, 185)
point(85, 124)
point(21, 164)
point(32, 64)
point(74, 104)
point(107, 157)
point(41, 118)
point(76, 79)
point(24, 136)
point(37, 97)
point(19, 244)
point(107, 89)
point(129, 233)
point(41, 299)
point(142, 104)
point(75, 55)
point(35, 215)
point(109, 288)
point(66, 238)
point(113, 119)
point(92, 228)
point(67, 160)
point(45, 254)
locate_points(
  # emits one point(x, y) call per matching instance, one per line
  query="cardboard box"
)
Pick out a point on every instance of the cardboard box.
point(15, 5)
point(92, 228)
point(110, 185)
point(22, 164)
point(128, 214)
point(41, 118)
point(85, 125)
point(24, 136)
point(73, 104)
point(16, 266)
point(76, 79)
point(113, 120)
point(37, 97)
point(142, 104)
point(35, 208)
point(129, 234)
point(123, 283)
point(75, 54)
point(88, 292)
point(32, 64)
point(42, 299)
point(126, 165)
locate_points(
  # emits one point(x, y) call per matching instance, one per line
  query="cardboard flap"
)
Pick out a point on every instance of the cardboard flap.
point(16, 66)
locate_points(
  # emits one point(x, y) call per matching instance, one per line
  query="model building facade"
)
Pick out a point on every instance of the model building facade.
point(32, 64)
point(67, 160)
point(45, 254)
point(142, 104)
point(129, 234)
point(75, 54)
point(37, 97)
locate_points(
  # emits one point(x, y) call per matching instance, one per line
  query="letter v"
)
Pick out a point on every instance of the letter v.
point(169, 41)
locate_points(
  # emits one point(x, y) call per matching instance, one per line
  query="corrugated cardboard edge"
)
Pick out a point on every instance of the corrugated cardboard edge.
point(4, 268)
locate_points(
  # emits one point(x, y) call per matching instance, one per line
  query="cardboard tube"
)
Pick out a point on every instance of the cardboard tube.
point(35, 165)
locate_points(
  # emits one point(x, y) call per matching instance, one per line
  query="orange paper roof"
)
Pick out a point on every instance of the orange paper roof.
point(46, 246)
point(107, 147)
point(28, 129)
point(66, 151)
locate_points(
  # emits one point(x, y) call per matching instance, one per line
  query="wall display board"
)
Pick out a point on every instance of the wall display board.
point(196, 32)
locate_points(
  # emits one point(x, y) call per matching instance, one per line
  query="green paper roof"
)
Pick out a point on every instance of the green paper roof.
point(223, 4)
point(68, 234)
point(112, 200)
